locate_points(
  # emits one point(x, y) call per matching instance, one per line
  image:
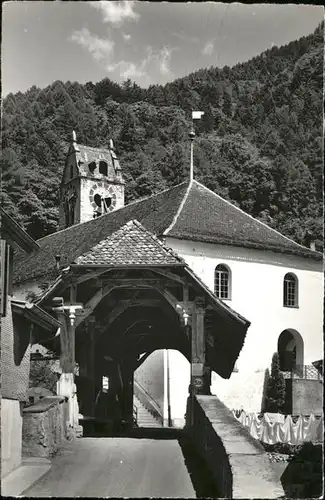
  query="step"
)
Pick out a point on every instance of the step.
point(144, 417)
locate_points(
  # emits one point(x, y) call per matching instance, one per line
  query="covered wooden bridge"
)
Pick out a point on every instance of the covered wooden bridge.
point(126, 297)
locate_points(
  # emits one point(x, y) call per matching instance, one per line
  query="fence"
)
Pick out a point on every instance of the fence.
point(307, 372)
point(274, 428)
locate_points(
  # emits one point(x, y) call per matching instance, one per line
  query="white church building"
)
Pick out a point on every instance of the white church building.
point(274, 282)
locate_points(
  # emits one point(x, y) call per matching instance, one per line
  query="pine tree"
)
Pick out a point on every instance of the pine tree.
point(275, 389)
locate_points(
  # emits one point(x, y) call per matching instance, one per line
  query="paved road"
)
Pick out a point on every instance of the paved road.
point(117, 467)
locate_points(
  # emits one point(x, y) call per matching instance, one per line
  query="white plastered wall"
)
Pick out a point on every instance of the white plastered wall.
point(11, 435)
point(257, 294)
point(179, 380)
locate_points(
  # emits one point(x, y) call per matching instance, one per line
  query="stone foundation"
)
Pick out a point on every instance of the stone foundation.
point(44, 428)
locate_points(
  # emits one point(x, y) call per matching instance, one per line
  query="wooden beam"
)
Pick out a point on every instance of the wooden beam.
point(177, 305)
point(126, 281)
point(114, 314)
point(185, 292)
point(73, 293)
point(93, 302)
point(77, 279)
point(198, 345)
point(169, 275)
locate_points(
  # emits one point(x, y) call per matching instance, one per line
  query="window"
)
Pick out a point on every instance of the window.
point(290, 290)
point(222, 282)
point(92, 167)
point(103, 167)
point(105, 384)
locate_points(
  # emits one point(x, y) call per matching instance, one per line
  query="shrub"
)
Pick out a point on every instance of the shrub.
point(42, 375)
point(275, 389)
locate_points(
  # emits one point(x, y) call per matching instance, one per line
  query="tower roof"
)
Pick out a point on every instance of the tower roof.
point(87, 155)
point(88, 160)
point(187, 211)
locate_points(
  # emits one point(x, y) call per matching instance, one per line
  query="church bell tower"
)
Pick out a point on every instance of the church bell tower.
point(92, 184)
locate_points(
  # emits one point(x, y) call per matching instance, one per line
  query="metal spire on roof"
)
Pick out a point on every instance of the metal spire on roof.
point(191, 136)
point(196, 115)
point(74, 136)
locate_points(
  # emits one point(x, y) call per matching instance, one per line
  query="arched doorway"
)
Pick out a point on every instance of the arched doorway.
point(291, 350)
point(139, 332)
point(161, 386)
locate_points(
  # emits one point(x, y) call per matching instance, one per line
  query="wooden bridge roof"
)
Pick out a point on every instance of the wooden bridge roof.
point(134, 250)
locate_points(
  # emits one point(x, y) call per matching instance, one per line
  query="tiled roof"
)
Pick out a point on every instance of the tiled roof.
point(189, 211)
point(205, 216)
point(130, 245)
point(87, 155)
point(14, 234)
point(155, 213)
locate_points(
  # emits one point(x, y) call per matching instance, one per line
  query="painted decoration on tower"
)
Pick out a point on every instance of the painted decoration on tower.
point(102, 198)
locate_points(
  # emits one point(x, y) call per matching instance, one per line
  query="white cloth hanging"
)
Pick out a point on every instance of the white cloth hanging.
point(274, 428)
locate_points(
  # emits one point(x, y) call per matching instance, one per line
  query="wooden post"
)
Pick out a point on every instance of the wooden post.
point(67, 357)
point(66, 385)
point(91, 362)
point(72, 328)
point(198, 346)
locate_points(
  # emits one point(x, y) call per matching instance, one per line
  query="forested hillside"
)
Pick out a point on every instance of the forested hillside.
point(259, 143)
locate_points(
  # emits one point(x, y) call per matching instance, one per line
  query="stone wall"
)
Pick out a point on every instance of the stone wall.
point(44, 427)
point(237, 462)
point(306, 396)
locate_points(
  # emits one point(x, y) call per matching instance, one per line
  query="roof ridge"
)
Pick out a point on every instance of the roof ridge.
point(180, 208)
point(257, 220)
point(157, 240)
point(114, 211)
point(119, 237)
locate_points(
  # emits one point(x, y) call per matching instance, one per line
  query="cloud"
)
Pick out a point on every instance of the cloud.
point(126, 36)
point(127, 69)
point(116, 12)
point(154, 61)
point(208, 49)
point(186, 38)
point(164, 58)
point(100, 48)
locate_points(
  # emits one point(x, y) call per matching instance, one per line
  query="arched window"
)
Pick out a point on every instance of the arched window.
point(290, 290)
point(222, 282)
point(103, 167)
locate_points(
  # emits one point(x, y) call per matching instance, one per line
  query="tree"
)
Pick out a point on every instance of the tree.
point(259, 143)
point(275, 389)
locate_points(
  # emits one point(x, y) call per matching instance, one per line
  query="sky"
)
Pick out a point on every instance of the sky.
point(150, 43)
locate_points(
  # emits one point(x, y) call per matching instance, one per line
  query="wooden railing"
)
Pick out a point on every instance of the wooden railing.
point(135, 415)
